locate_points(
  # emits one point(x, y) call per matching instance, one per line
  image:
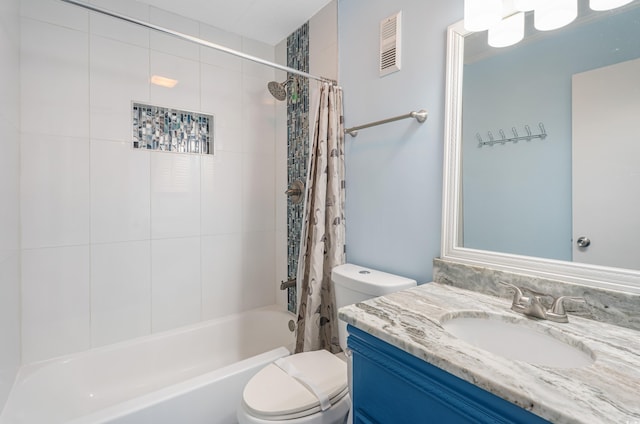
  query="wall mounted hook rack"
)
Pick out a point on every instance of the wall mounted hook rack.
point(516, 137)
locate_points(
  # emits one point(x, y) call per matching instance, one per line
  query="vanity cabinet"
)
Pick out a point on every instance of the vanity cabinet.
point(391, 386)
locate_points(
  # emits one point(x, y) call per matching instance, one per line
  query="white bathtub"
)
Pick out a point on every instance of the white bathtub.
point(192, 375)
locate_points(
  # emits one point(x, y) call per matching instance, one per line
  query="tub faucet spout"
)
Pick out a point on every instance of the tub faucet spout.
point(291, 282)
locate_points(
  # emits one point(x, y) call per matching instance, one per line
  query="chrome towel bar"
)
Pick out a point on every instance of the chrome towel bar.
point(420, 116)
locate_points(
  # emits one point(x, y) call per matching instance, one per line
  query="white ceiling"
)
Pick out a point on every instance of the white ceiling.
point(269, 21)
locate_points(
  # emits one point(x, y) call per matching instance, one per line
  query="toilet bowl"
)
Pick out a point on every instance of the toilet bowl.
point(313, 387)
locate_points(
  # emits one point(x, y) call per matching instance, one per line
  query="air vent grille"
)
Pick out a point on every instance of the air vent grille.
point(390, 44)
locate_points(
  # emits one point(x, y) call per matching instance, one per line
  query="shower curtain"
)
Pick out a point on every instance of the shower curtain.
point(323, 231)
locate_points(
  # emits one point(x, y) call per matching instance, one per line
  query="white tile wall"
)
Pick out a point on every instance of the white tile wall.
point(258, 186)
point(261, 50)
point(281, 180)
point(54, 79)
point(259, 112)
point(169, 44)
point(257, 248)
point(119, 30)
point(10, 65)
point(119, 73)
point(120, 291)
point(222, 97)
point(56, 12)
point(221, 194)
point(186, 93)
point(120, 201)
point(9, 187)
point(9, 322)
point(223, 38)
point(54, 189)
point(175, 278)
point(9, 196)
point(221, 260)
point(55, 302)
point(117, 242)
point(323, 42)
point(175, 195)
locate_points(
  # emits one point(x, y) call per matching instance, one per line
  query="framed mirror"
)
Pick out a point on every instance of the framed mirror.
point(532, 131)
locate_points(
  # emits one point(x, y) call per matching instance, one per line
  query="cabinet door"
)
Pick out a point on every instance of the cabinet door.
point(391, 386)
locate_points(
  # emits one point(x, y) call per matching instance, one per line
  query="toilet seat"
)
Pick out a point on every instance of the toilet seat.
point(286, 392)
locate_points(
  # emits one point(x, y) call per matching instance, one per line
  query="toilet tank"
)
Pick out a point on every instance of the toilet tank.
point(354, 283)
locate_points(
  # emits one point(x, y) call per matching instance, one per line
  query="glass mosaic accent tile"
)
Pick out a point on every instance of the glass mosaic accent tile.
point(171, 130)
point(297, 145)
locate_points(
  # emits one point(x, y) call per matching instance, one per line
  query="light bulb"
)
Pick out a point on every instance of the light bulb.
point(607, 4)
point(524, 5)
point(553, 14)
point(508, 31)
point(480, 15)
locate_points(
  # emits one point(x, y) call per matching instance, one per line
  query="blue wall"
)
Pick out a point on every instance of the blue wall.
point(517, 197)
point(394, 171)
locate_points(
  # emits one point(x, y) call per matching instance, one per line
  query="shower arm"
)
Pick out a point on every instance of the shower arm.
point(198, 41)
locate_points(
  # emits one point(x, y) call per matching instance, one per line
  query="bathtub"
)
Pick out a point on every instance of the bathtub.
point(192, 375)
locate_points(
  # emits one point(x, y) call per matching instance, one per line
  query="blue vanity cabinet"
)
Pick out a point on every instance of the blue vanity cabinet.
point(391, 386)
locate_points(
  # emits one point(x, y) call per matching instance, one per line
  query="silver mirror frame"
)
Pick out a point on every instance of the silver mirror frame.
point(618, 279)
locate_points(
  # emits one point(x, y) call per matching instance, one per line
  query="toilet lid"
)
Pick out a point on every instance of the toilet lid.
point(273, 393)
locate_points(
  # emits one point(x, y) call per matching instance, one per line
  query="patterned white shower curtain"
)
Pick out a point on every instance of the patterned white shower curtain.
point(323, 231)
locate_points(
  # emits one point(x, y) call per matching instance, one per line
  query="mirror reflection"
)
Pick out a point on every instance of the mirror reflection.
point(551, 144)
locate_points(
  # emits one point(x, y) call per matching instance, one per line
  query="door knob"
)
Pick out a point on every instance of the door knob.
point(583, 241)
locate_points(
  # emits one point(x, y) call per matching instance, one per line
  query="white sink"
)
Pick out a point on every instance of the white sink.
point(519, 339)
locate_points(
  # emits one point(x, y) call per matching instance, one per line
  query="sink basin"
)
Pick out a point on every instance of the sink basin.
point(519, 339)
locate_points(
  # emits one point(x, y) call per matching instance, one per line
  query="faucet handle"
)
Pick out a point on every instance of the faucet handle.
point(558, 305)
point(517, 293)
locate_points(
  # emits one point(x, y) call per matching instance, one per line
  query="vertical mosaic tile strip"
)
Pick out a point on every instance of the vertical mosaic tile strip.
point(171, 130)
point(297, 145)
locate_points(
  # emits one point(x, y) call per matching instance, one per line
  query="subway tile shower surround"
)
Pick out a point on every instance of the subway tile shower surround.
point(136, 241)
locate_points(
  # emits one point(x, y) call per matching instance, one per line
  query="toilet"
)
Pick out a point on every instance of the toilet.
point(313, 387)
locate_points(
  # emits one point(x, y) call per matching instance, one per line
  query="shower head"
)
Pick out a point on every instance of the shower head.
point(278, 89)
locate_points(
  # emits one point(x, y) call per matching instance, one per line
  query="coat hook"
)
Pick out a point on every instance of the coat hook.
point(504, 138)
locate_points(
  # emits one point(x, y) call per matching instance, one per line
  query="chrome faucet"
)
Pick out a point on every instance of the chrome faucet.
point(533, 307)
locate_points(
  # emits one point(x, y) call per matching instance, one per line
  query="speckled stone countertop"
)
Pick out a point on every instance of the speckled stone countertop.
point(607, 391)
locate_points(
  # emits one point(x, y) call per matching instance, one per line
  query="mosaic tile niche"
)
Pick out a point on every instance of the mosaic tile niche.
point(297, 145)
point(171, 130)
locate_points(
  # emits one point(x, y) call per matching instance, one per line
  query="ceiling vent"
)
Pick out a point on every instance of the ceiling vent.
point(390, 44)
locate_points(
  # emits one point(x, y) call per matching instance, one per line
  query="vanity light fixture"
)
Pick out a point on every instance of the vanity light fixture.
point(507, 32)
point(480, 15)
point(163, 81)
point(553, 14)
point(607, 4)
point(504, 19)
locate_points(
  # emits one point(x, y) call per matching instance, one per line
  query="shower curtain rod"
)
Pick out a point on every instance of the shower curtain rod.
point(198, 41)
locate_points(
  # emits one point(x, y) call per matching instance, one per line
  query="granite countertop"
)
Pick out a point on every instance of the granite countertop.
point(607, 391)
